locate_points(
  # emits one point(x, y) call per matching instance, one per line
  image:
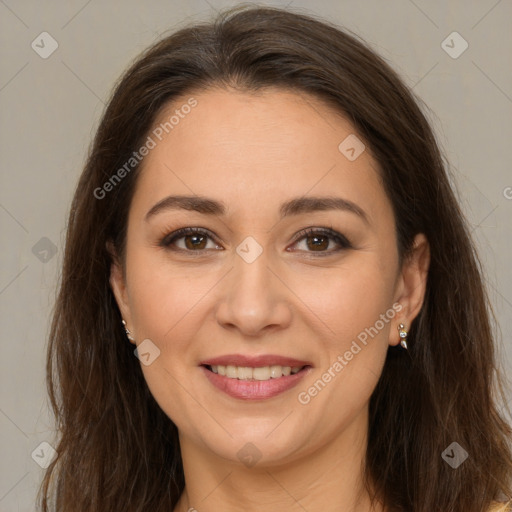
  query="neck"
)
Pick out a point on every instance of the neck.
point(329, 478)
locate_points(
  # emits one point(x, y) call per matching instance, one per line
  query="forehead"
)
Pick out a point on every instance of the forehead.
point(246, 147)
point(274, 120)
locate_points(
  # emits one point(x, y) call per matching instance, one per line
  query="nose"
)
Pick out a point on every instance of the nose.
point(253, 299)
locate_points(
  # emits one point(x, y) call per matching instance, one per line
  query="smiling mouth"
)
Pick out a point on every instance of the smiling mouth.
point(261, 373)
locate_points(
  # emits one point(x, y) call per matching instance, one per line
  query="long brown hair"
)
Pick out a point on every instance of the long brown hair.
point(117, 450)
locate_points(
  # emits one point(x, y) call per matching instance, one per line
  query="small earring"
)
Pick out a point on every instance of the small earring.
point(128, 333)
point(403, 335)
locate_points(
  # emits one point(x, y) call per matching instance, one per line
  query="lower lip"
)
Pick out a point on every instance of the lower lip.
point(255, 389)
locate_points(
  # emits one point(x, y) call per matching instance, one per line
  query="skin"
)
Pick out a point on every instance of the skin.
point(253, 152)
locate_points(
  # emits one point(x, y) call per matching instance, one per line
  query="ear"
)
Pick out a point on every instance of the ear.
point(118, 284)
point(411, 285)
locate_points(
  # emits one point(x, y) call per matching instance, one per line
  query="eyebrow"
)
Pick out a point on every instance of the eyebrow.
point(297, 206)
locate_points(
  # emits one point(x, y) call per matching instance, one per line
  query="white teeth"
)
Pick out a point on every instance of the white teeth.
point(231, 372)
point(260, 373)
point(244, 372)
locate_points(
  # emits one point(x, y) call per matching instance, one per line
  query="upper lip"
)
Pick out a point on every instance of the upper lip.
point(254, 361)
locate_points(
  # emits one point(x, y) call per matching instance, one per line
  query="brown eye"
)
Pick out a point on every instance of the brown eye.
point(319, 240)
point(194, 239)
point(193, 242)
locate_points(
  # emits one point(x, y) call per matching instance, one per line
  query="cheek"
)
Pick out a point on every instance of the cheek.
point(165, 304)
point(348, 299)
point(164, 298)
point(356, 313)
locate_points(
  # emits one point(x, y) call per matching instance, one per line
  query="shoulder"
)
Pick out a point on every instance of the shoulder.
point(500, 507)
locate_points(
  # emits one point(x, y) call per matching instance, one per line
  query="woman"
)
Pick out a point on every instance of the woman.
point(270, 299)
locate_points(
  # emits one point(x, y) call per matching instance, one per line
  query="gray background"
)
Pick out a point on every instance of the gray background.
point(51, 107)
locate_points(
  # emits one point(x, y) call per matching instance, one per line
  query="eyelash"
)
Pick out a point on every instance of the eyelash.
point(342, 241)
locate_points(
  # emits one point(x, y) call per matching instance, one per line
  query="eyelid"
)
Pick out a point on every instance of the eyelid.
point(170, 238)
point(340, 239)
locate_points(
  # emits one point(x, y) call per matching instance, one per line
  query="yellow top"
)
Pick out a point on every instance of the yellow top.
point(501, 507)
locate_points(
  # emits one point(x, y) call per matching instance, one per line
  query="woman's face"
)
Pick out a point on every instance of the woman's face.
point(251, 172)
